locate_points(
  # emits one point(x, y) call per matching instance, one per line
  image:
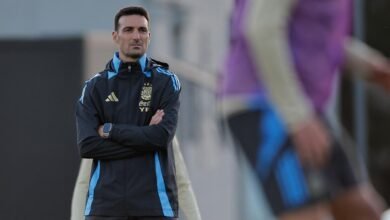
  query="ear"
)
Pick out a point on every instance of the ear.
point(115, 36)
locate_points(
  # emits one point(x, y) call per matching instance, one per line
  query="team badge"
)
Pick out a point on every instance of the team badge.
point(146, 97)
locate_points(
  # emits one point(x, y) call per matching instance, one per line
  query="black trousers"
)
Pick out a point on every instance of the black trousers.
point(127, 218)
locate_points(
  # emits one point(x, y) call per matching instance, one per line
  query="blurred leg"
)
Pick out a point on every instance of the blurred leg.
point(186, 195)
point(252, 202)
point(80, 191)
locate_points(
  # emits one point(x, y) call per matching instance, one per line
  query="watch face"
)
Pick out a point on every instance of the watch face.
point(106, 128)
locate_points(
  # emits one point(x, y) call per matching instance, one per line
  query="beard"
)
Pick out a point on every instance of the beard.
point(134, 56)
point(132, 52)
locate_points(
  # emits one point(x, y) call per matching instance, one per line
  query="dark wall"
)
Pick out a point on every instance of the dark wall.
point(39, 85)
point(378, 103)
point(377, 35)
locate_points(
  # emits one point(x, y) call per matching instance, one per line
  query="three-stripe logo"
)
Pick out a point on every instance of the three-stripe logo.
point(112, 98)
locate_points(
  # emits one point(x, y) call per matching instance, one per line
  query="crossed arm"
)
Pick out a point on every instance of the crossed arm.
point(125, 140)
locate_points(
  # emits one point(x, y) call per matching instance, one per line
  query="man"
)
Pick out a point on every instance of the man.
point(126, 119)
point(279, 76)
point(186, 196)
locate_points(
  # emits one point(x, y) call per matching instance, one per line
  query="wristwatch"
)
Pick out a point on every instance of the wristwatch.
point(107, 129)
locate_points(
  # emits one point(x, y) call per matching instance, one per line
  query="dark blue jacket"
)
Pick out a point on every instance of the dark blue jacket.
point(133, 173)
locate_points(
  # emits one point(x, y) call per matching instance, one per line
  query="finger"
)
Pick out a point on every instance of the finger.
point(311, 156)
point(305, 158)
point(159, 112)
point(303, 150)
point(160, 115)
point(316, 152)
point(154, 119)
point(321, 151)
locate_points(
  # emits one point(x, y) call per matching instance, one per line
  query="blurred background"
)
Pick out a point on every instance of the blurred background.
point(47, 50)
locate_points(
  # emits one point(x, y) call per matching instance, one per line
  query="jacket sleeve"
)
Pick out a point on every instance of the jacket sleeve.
point(267, 31)
point(154, 137)
point(91, 145)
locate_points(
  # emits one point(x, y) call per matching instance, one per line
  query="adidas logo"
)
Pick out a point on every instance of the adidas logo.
point(112, 98)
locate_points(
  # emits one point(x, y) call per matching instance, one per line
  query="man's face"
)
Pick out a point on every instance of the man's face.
point(132, 37)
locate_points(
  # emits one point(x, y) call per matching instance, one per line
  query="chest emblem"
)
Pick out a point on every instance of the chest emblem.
point(146, 97)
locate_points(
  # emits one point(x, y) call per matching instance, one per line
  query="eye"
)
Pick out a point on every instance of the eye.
point(127, 29)
point(143, 30)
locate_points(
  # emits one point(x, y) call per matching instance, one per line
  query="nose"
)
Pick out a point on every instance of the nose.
point(136, 35)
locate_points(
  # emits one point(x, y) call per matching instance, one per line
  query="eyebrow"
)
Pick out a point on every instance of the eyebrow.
point(133, 27)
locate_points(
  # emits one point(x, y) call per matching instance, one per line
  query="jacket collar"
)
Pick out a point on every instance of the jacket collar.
point(117, 62)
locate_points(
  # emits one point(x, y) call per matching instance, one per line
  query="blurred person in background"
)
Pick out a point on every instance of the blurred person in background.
point(280, 76)
point(126, 119)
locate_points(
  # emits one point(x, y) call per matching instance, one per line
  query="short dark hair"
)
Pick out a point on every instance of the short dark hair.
point(132, 10)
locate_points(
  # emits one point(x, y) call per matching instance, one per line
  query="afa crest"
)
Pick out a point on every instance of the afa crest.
point(146, 92)
point(146, 97)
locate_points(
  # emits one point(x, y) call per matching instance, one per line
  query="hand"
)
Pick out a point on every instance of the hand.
point(100, 131)
point(380, 73)
point(368, 62)
point(312, 142)
point(157, 117)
